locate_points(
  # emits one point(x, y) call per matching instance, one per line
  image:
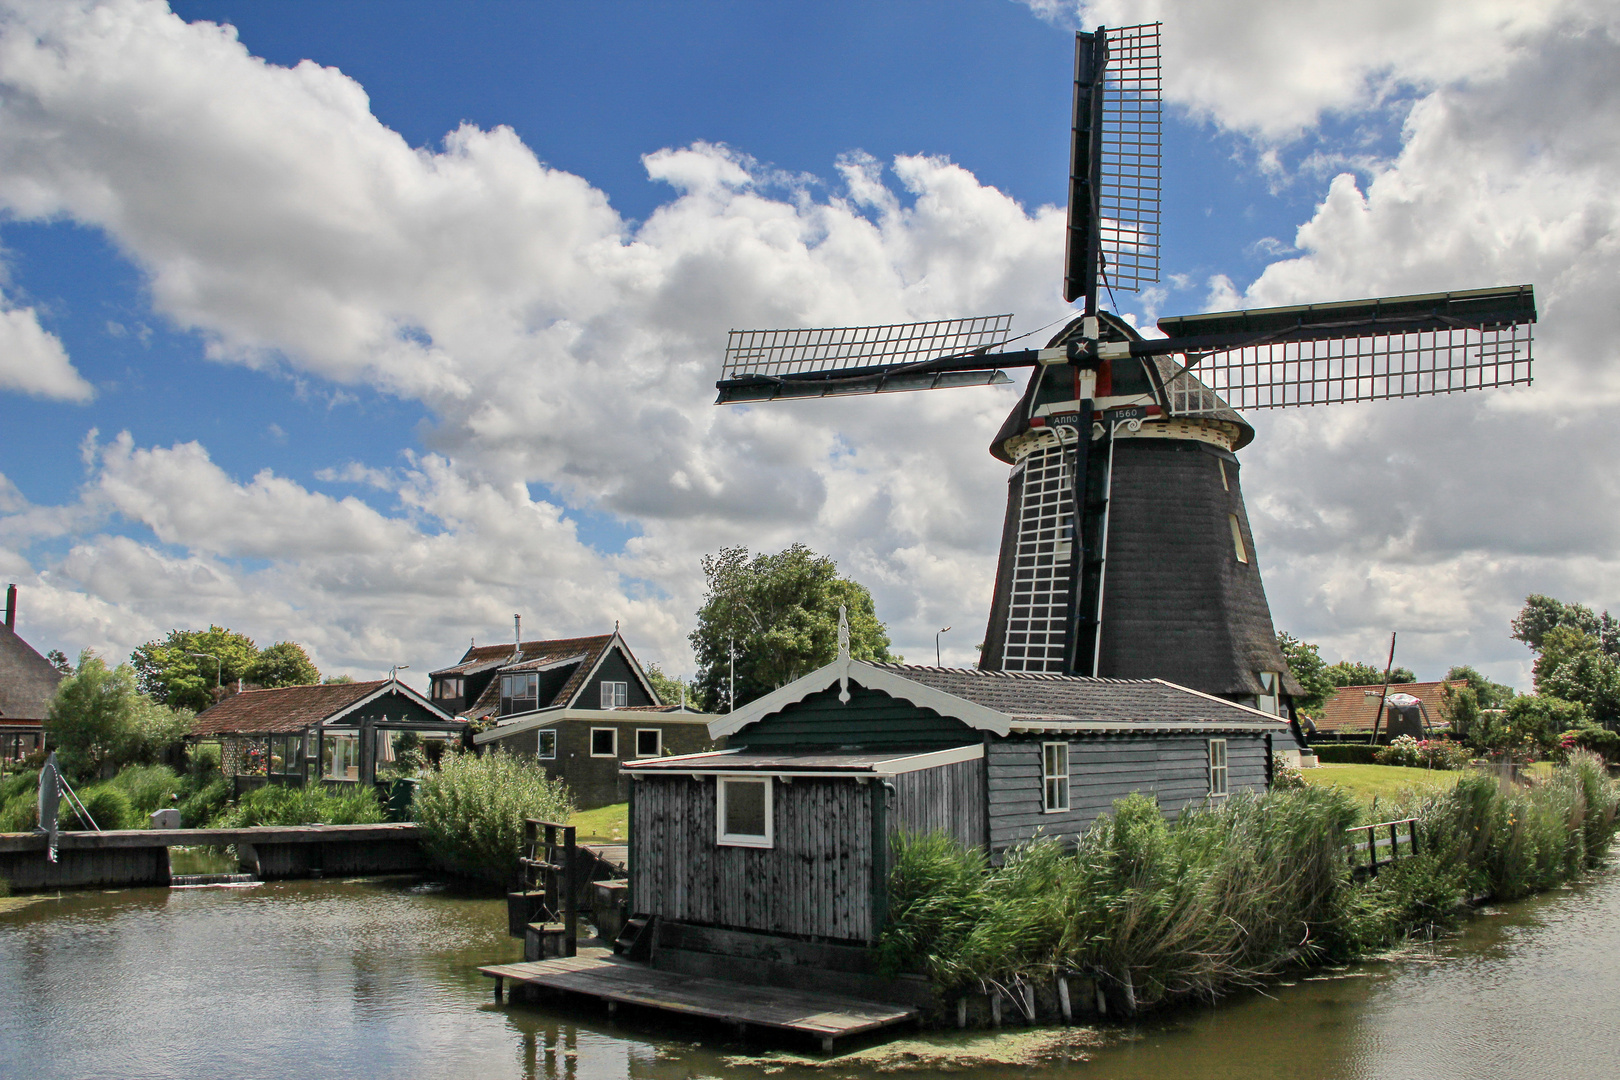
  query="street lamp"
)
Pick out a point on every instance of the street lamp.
point(936, 646)
point(218, 682)
point(393, 673)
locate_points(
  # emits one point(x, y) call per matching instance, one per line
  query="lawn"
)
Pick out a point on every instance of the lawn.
point(604, 825)
point(1386, 783)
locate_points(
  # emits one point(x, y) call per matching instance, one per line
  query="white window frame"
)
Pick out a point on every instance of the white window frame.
point(753, 840)
point(540, 740)
point(1270, 698)
point(615, 694)
point(658, 751)
point(611, 730)
point(1237, 540)
point(1218, 769)
point(1052, 778)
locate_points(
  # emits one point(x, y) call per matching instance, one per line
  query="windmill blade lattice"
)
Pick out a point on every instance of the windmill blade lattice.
point(1132, 161)
point(855, 349)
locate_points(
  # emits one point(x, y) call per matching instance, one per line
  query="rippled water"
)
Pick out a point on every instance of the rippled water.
point(311, 980)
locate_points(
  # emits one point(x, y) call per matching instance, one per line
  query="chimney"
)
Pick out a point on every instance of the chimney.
point(517, 635)
point(11, 607)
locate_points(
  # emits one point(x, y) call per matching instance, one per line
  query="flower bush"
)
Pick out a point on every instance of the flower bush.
point(1423, 753)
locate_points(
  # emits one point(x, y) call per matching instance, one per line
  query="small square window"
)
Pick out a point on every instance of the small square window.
point(604, 742)
point(1217, 767)
point(743, 812)
point(1055, 776)
point(649, 742)
point(546, 745)
point(615, 695)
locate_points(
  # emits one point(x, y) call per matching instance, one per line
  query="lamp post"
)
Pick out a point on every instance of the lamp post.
point(936, 646)
point(393, 672)
point(218, 681)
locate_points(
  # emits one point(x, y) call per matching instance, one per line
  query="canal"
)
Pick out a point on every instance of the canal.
point(376, 979)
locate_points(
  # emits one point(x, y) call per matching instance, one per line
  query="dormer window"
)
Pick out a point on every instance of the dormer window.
point(520, 692)
point(448, 687)
point(615, 695)
point(1270, 697)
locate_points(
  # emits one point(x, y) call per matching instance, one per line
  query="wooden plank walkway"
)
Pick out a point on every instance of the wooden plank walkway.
point(598, 973)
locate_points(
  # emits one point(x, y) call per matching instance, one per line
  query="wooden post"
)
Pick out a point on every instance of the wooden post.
point(961, 1011)
point(826, 1044)
point(1394, 841)
point(1372, 849)
point(570, 893)
point(500, 986)
point(1102, 999)
point(995, 1008)
point(1063, 999)
point(1029, 1002)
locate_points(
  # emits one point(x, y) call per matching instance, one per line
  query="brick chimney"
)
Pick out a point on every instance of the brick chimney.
point(11, 608)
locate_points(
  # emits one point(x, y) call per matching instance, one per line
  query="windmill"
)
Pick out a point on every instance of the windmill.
point(1126, 549)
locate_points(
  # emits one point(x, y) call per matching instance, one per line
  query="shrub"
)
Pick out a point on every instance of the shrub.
point(20, 813)
point(1284, 777)
point(315, 805)
point(203, 762)
point(1593, 737)
point(1345, 753)
point(149, 787)
point(207, 804)
point(472, 811)
point(1423, 754)
point(106, 804)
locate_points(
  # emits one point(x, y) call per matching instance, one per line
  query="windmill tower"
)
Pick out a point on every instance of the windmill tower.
point(1126, 549)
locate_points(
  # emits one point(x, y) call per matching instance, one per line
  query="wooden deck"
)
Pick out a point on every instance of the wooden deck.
point(598, 973)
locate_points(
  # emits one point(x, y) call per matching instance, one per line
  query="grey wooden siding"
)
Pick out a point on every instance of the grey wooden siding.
point(869, 719)
point(816, 881)
point(949, 799)
point(1105, 768)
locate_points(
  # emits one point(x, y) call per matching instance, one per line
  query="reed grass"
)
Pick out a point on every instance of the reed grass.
point(313, 805)
point(1231, 894)
point(472, 811)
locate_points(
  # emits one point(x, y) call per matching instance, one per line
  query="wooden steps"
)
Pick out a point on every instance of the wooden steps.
point(599, 974)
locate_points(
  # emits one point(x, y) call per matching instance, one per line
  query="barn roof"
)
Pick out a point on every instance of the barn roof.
point(294, 708)
point(27, 680)
point(1352, 708)
point(1002, 702)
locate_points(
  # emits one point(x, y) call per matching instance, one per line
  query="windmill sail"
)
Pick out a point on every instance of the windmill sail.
point(763, 365)
point(1361, 350)
point(1115, 162)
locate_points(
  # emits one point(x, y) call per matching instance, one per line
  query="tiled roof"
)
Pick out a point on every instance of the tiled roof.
point(1352, 709)
point(1069, 699)
point(286, 708)
point(589, 649)
point(27, 680)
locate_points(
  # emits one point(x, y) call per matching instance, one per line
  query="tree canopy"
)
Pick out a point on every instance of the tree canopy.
point(1309, 670)
point(181, 669)
point(99, 721)
point(1487, 694)
point(1356, 673)
point(780, 612)
point(1543, 614)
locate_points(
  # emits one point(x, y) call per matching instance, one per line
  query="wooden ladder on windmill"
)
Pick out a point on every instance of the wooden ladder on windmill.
point(550, 898)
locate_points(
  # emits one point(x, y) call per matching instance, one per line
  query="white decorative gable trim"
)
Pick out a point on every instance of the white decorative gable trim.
point(845, 670)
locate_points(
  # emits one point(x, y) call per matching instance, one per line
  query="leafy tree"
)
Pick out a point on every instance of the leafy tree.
point(1542, 614)
point(1572, 665)
point(1531, 726)
point(167, 672)
point(1355, 673)
point(283, 664)
point(333, 679)
point(99, 721)
point(780, 612)
point(667, 689)
point(1487, 694)
point(58, 660)
point(1310, 671)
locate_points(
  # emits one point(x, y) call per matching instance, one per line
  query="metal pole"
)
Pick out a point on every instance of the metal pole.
point(1384, 693)
point(218, 683)
point(731, 683)
point(937, 662)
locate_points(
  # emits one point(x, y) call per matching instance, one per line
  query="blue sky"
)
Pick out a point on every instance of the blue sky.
point(340, 431)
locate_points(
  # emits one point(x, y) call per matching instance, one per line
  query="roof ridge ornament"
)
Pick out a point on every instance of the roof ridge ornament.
point(843, 654)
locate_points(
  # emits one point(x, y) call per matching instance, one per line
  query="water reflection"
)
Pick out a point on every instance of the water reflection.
point(310, 980)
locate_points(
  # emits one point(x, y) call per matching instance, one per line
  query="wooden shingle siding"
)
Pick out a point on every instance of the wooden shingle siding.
point(948, 799)
point(815, 881)
point(1103, 769)
point(870, 719)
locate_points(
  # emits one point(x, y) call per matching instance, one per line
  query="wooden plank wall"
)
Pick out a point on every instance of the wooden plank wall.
point(1105, 768)
point(816, 881)
point(870, 719)
point(948, 799)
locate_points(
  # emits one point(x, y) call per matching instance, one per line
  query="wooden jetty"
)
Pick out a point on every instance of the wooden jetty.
point(599, 974)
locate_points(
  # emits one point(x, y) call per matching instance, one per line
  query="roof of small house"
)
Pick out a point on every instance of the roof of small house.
point(27, 680)
point(1003, 702)
point(584, 652)
point(816, 762)
point(1352, 708)
point(294, 708)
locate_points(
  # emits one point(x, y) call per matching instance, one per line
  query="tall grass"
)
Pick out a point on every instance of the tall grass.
point(1227, 895)
point(276, 805)
point(472, 811)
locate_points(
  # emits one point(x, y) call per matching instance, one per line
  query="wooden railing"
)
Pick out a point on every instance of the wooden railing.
point(1386, 835)
point(548, 875)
